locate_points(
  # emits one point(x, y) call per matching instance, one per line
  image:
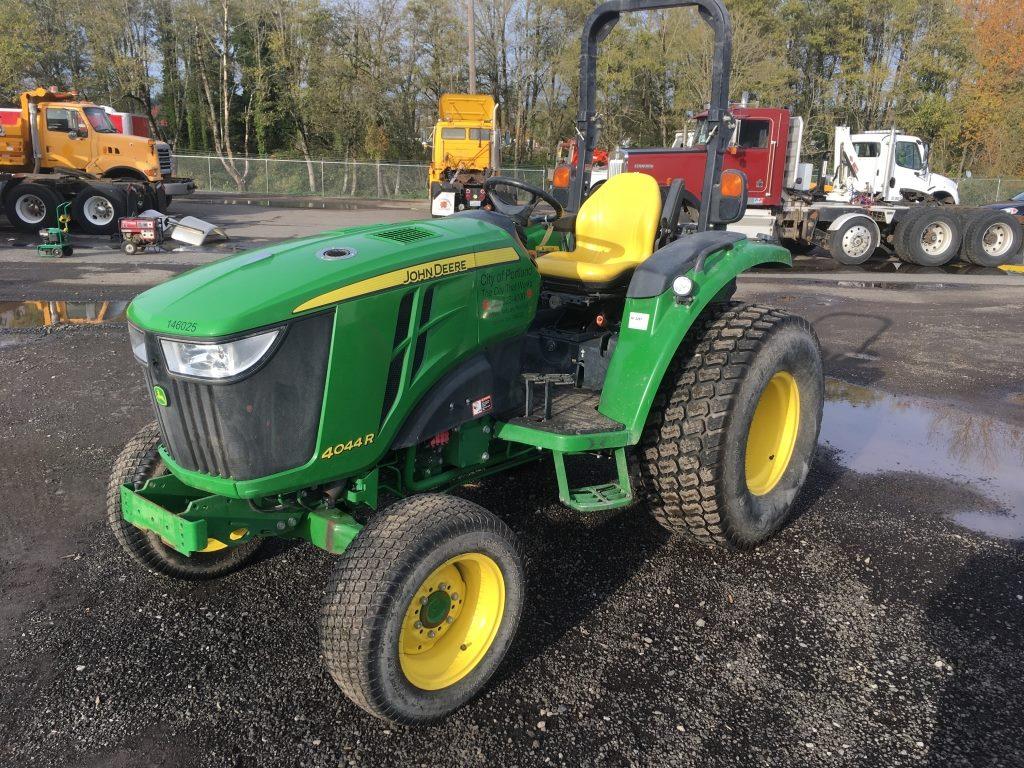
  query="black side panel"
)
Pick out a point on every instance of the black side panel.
point(494, 373)
point(655, 275)
point(260, 425)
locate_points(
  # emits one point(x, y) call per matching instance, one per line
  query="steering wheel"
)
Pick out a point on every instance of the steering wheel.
point(519, 212)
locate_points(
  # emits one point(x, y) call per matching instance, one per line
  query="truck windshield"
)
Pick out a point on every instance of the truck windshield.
point(479, 134)
point(98, 120)
point(908, 156)
point(453, 133)
point(867, 149)
point(702, 134)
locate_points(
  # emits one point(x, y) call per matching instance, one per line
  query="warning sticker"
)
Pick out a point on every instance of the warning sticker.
point(639, 321)
point(482, 406)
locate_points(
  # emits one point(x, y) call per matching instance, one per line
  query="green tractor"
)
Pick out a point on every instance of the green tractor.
point(300, 386)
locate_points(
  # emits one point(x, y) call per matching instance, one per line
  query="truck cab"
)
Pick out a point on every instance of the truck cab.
point(757, 146)
point(888, 164)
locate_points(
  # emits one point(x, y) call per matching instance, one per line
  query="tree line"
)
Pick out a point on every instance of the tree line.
point(360, 79)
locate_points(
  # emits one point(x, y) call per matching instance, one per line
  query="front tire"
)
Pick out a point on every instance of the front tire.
point(137, 463)
point(855, 241)
point(734, 426)
point(423, 608)
point(31, 207)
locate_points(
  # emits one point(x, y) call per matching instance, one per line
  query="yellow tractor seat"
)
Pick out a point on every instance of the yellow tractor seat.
point(615, 231)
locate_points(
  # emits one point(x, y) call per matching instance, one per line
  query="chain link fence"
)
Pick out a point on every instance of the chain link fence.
point(321, 178)
point(976, 191)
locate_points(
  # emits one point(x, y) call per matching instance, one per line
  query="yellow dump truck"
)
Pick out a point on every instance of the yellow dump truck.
point(464, 151)
point(62, 149)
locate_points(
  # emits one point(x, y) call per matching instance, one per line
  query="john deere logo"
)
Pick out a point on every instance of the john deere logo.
point(160, 396)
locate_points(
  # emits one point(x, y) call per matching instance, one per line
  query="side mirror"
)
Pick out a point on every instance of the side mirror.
point(729, 198)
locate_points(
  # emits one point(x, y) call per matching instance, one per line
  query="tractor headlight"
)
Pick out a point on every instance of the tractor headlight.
point(138, 341)
point(219, 360)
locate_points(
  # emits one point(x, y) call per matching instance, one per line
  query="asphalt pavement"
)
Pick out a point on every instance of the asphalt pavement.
point(883, 626)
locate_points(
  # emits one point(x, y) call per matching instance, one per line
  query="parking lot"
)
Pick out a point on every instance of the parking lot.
point(884, 626)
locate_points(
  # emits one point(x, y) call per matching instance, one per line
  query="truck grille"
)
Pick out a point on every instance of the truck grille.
point(163, 153)
point(260, 425)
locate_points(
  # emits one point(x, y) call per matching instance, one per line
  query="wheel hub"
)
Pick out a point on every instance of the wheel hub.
point(435, 610)
point(451, 621)
point(856, 241)
point(997, 239)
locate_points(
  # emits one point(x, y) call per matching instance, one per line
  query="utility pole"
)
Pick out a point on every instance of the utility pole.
point(471, 46)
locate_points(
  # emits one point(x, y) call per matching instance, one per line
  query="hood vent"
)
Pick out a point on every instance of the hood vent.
point(405, 235)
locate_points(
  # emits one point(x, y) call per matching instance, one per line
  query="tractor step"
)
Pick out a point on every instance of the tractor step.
point(571, 411)
point(593, 498)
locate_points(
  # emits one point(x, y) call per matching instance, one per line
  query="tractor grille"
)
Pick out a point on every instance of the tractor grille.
point(163, 153)
point(260, 425)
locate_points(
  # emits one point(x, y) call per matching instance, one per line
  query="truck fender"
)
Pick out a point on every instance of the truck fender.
point(654, 326)
point(841, 220)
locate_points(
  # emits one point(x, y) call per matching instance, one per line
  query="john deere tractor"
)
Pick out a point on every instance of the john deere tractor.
point(299, 386)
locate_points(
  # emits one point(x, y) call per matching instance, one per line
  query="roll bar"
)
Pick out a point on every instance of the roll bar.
point(596, 28)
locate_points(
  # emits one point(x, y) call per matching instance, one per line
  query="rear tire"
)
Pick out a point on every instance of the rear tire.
point(716, 460)
point(96, 212)
point(409, 571)
point(991, 238)
point(930, 237)
point(137, 463)
point(31, 207)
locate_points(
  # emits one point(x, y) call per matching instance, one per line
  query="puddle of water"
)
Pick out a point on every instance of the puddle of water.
point(824, 263)
point(875, 432)
point(38, 314)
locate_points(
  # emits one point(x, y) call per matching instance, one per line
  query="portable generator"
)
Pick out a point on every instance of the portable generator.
point(139, 232)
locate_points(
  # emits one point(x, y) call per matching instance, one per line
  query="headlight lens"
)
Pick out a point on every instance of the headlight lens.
point(217, 360)
point(138, 341)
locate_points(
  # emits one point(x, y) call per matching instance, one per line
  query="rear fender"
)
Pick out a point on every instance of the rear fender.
point(654, 327)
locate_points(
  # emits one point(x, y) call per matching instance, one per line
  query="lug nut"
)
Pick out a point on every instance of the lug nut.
point(455, 595)
point(450, 619)
point(418, 625)
point(431, 633)
point(280, 525)
point(423, 601)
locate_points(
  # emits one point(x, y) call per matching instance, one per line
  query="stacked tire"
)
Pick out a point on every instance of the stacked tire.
point(932, 236)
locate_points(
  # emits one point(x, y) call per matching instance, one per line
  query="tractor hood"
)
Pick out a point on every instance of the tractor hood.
point(290, 279)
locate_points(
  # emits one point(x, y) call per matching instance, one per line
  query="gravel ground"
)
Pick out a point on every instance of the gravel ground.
point(872, 631)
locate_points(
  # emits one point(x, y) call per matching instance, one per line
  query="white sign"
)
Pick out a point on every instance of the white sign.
point(443, 204)
point(639, 321)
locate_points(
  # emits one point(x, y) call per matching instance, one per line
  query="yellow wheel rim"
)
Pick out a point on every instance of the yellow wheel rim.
point(451, 622)
point(772, 435)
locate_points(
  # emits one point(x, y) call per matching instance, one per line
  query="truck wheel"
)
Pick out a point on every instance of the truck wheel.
point(137, 463)
point(734, 425)
point(31, 207)
point(991, 238)
point(96, 212)
point(930, 237)
point(422, 608)
point(855, 241)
